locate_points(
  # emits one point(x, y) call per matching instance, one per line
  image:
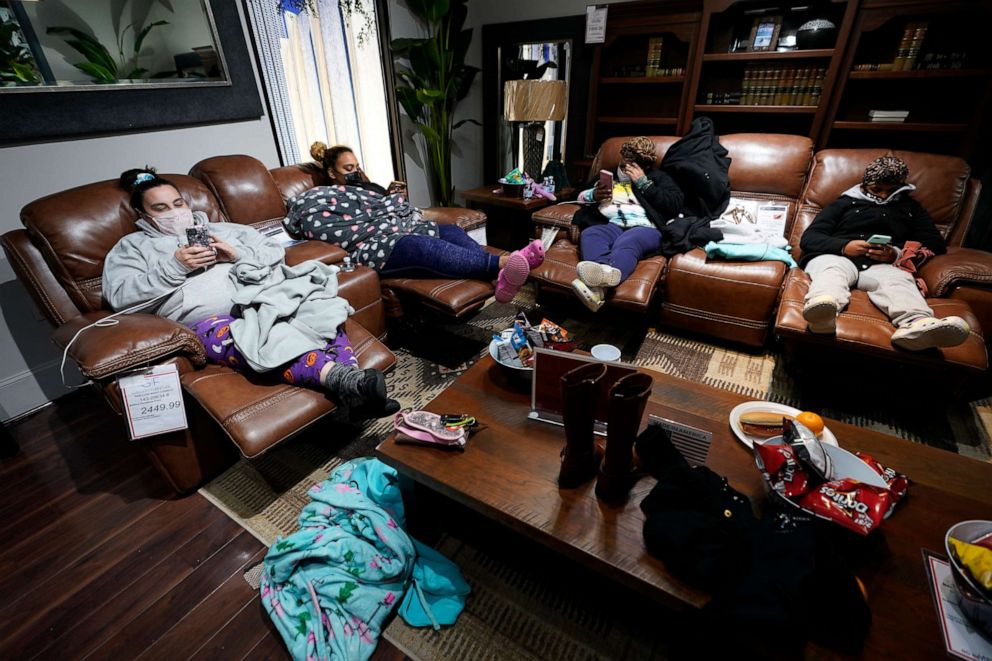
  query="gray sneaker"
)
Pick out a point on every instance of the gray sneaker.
point(592, 297)
point(820, 313)
point(930, 332)
point(595, 274)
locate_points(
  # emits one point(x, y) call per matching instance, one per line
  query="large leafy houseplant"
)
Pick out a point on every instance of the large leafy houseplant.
point(17, 65)
point(432, 78)
point(99, 63)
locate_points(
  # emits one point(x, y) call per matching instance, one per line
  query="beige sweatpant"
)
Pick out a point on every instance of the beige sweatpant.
point(892, 290)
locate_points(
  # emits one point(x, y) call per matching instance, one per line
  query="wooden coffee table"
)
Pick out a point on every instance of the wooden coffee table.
point(508, 473)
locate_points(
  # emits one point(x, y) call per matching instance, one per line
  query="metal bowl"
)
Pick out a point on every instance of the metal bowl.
point(511, 371)
point(973, 600)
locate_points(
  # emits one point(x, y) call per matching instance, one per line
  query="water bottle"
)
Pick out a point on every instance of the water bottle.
point(347, 266)
point(529, 189)
point(549, 184)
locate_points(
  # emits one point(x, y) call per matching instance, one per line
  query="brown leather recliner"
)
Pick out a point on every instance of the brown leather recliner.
point(251, 194)
point(59, 258)
point(732, 300)
point(954, 280)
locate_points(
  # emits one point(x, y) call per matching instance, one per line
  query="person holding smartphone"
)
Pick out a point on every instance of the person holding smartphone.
point(623, 227)
point(854, 241)
point(188, 268)
point(379, 228)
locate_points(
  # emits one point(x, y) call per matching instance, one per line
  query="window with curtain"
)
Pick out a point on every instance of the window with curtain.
point(324, 75)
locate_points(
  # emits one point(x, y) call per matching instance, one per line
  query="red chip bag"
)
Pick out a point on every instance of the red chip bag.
point(898, 483)
point(782, 469)
point(854, 505)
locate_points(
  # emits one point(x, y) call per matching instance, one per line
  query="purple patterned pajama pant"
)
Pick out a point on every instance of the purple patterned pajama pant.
point(215, 333)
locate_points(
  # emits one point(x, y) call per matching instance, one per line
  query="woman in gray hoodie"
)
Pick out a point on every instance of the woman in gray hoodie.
point(198, 283)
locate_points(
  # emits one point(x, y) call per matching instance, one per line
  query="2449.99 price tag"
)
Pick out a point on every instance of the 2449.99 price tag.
point(153, 401)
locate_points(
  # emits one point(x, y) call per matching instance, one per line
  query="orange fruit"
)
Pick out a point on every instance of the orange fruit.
point(811, 421)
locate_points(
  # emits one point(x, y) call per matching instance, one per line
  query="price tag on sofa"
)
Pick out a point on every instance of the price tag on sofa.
point(153, 401)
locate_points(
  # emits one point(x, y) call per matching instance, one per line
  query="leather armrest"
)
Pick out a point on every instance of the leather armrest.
point(556, 215)
point(136, 340)
point(467, 219)
point(957, 267)
point(328, 253)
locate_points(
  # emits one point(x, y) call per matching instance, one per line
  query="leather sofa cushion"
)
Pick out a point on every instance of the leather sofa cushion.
point(244, 188)
point(959, 266)
point(452, 298)
point(863, 328)
point(768, 163)
point(361, 288)
point(940, 180)
point(634, 293)
point(257, 412)
point(294, 180)
point(75, 229)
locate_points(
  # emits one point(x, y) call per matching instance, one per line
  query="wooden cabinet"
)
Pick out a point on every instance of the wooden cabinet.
point(639, 74)
point(769, 90)
point(927, 61)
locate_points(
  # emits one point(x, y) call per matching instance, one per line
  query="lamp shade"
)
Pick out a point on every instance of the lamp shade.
point(534, 100)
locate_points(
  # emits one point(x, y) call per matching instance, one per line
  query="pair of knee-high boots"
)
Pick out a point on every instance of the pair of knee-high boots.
point(616, 470)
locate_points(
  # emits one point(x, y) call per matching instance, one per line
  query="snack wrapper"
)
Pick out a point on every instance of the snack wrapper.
point(518, 341)
point(852, 504)
point(898, 483)
point(782, 469)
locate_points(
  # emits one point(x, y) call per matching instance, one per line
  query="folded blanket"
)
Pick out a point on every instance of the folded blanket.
point(748, 252)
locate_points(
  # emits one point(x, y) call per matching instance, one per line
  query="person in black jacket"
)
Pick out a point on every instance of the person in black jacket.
point(838, 256)
point(626, 226)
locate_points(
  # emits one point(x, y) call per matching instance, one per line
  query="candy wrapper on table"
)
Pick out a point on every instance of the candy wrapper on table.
point(853, 491)
point(515, 346)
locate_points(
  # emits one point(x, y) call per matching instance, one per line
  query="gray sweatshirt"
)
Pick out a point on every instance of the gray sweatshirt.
point(143, 266)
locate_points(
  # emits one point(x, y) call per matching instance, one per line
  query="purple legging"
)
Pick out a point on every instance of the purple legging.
point(452, 255)
point(620, 248)
point(215, 333)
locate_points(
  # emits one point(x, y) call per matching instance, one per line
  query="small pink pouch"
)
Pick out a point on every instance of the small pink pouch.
point(425, 428)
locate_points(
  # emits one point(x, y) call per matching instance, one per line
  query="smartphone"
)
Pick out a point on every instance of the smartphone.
point(198, 235)
point(606, 178)
point(880, 239)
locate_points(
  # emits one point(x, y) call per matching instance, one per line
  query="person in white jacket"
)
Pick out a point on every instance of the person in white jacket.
point(198, 285)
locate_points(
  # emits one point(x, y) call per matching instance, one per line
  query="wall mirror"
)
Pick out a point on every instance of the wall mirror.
point(52, 45)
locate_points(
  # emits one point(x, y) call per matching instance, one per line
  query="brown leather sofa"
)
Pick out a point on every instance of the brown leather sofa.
point(959, 282)
point(59, 258)
point(250, 194)
point(727, 299)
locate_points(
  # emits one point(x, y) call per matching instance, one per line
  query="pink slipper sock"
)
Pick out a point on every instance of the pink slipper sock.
point(512, 277)
point(534, 252)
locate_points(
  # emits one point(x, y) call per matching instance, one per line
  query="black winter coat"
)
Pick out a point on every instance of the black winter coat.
point(700, 166)
point(662, 201)
point(849, 219)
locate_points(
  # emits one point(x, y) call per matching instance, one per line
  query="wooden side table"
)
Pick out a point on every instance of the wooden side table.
point(508, 224)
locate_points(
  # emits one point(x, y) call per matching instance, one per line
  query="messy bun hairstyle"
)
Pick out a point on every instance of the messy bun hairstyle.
point(140, 180)
point(328, 156)
point(639, 150)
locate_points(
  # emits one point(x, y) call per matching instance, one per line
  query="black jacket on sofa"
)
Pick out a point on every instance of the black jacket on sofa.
point(850, 219)
point(662, 201)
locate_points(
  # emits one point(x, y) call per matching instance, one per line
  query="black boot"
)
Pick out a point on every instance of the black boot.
point(617, 475)
point(581, 389)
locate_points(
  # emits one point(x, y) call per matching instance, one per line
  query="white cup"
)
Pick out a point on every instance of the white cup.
point(606, 352)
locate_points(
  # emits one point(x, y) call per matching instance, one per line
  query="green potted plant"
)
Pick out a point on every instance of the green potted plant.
point(432, 78)
point(17, 65)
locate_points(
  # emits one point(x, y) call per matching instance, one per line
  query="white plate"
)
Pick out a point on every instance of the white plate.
point(735, 420)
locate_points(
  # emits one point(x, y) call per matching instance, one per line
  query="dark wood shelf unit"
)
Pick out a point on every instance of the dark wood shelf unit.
point(946, 113)
point(773, 55)
point(723, 61)
point(660, 121)
point(631, 98)
point(944, 127)
point(641, 80)
point(933, 74)
point(729, 107)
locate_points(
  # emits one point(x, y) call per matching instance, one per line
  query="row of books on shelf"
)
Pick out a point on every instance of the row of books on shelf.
point(909, 46)
point(929, 62)
point(781, 85)
point(653, 67)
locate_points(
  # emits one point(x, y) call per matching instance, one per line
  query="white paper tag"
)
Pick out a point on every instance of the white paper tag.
point(595, 24)
point(153, 401)
point(771, 218)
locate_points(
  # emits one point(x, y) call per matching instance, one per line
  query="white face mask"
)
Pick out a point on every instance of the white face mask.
point(175, 222)
point(622, 175)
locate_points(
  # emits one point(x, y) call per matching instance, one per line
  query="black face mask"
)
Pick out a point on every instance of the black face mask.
point(353, 178)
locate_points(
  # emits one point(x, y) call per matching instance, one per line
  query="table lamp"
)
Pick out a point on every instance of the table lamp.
point(534, 102)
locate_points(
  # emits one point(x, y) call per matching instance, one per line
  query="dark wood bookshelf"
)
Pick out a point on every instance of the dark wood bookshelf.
point(944, 127)
point(772, 55)
point(647, 119)
point(730, 107)
point(641, 80)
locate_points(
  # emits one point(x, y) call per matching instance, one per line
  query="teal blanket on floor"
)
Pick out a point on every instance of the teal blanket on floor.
point(329, 586)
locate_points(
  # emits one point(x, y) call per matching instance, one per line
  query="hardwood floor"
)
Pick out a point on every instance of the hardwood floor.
point(102, 561)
